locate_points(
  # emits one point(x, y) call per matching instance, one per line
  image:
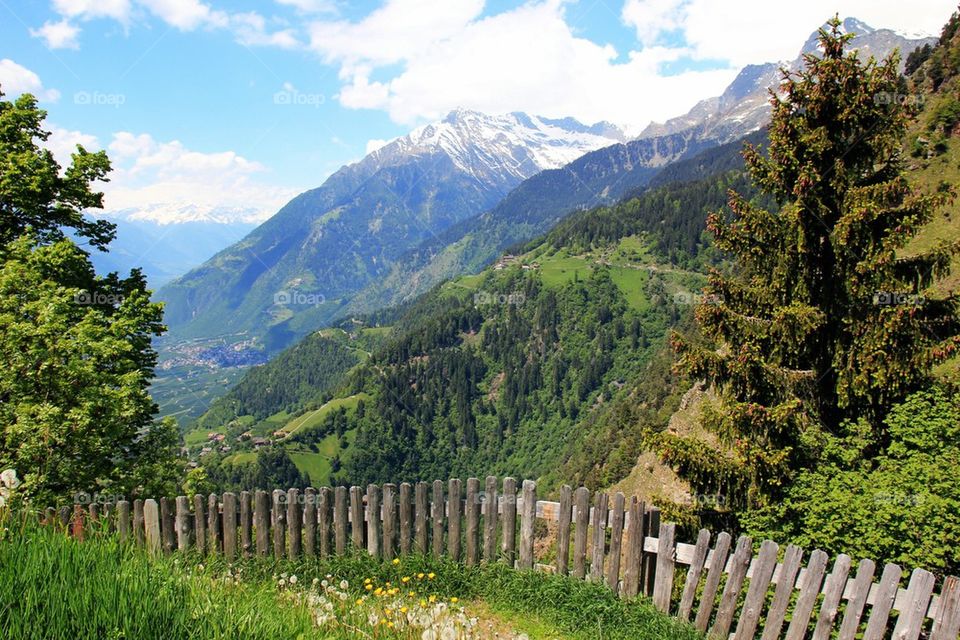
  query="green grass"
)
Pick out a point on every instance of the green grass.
point(243, 457)
point(631, 283)
point(54, 587)
point(314, 418)
point(559, 269)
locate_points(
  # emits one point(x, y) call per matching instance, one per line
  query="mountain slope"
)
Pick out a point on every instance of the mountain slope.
point(603, 176)
point(295, 271)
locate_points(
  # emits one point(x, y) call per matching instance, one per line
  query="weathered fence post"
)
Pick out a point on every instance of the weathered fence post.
point(183, 523)
point(279, 523)
point(564, 518)
point(649, 565)
point(946, 624)
point(666, 548)
point(139, 528)
point(340, 520)
point(167, 525)
point(883, 603)
point(261, 521)
point(421, 517)
point(373, 520)
point(599, 536)
point(783, 593)
point(357, 524)
point(509, 521)
point(406, 517)
point(858, 599)
point(199, 524)
point(693, 574)
point(581, 499)
point(214, 525)
point(389, 520)
point(714, 572)
point(731, 590)
point(151, 521)
point(756, 597)
point(490, 507)
point(454, 512)
point(123, 520)
point(912, 615)
point(833, 592)
point(294, 524)
point(528, 516)
point(616, 542)
point(324, 520)
point(246, 524)
point(310, 521)
point(472, 517)
point(809, 591)
point(439, 511)
point(631, 569)
point(229, 525)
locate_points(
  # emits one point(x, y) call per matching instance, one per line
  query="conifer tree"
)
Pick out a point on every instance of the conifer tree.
point(823, 319)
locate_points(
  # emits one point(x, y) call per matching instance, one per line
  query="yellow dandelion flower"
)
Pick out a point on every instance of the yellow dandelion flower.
point(433, 598)
point(359, 601)
point(367, 581)
point(390, 624)
point(431, 575)
point(368, 587)
point(419, 576)
point(423, 602)
point(403, 609)
point(396, 561)
point(405, 579)
point(454, 600)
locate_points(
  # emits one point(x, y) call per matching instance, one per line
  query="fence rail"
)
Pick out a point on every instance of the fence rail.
point(725, 588)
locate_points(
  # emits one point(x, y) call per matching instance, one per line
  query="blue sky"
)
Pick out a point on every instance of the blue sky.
point(246, 103)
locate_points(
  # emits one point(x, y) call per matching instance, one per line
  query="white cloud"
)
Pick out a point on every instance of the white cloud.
point(492, 65)
point(58, 35)
point(186, 15)
point(251, 29)
point(754, 31)
point(162, 179)
point(16, 79)
point(374, 144)
point(117, 9)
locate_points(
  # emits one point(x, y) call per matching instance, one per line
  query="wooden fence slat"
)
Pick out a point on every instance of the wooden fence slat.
point(665, 564)
point(563, 528)
point(527, 517)
point(123, 520)
point(599, 536)
point(389, 520)
point(472, 519)
point(294, 524)
point(373, 520)
point(151, 523)
point(648, 566)
point(833, 592)
point(714, 572)
point(858, 600)
point(246, 524)
point(108, 516)
point(454, 513)
point(581, 500)
point(439, 512)
point(324, 521)
point(731, 590)
point(279, 523)
point(139, 528)
point(309, 522)
point(421, 517)
point(229, 525)
point(786, 581)
point(261, 521)
point(358, 525)
point(491, 506)
point(946, 625)
point(199, 523)
point(509, 521)
point(616, 542)
point(693, 574)
point(883, 602)
point(213, 524)
point(183, 523)
point(631, 570)
point(912, 615)
point(65, 512)
point(406, 517)
point(167, 524)
point(340, 520)
point(809, 591)
point(763, 570)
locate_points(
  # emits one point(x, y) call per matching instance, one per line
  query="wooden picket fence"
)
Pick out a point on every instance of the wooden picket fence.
point(727, 590)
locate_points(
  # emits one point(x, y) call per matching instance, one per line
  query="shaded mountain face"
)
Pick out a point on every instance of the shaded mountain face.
point(603, 176)
point(295, 272)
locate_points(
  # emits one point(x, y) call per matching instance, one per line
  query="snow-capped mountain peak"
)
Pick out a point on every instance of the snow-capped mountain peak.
point(491, 147)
